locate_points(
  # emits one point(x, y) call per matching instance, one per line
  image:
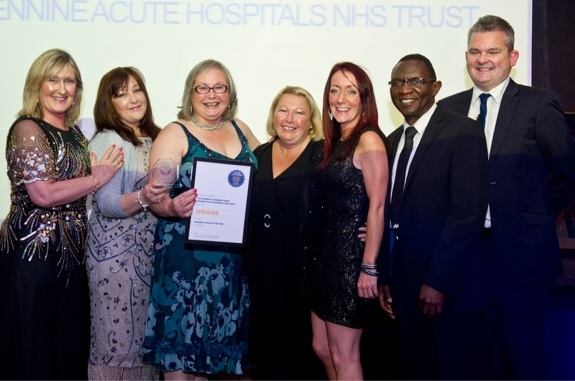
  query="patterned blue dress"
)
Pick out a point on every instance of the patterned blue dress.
point(198, 311)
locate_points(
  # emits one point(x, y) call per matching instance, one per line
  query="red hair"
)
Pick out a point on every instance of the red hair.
point(369, 116)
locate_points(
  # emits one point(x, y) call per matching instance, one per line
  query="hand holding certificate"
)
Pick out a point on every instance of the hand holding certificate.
point(221, 211)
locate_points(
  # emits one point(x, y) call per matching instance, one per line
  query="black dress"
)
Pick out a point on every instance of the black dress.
point(44, 318)
point(341, 206)
point(280, 334)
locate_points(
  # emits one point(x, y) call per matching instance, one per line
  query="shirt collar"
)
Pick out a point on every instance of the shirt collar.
point(423, 121)
point(496, 92)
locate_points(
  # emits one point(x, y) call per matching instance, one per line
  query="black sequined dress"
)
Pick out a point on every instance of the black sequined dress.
point(44, 300)
point(341, 205)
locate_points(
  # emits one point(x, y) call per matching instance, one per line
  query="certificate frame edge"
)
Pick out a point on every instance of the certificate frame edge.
point(252, 168)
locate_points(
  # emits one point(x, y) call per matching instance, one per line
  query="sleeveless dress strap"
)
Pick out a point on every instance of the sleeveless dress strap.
point(241, 136)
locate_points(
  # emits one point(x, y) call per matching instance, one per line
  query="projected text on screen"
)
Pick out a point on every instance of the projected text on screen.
point(239, 14)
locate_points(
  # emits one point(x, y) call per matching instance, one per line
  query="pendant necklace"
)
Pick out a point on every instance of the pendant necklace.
point(205, 127)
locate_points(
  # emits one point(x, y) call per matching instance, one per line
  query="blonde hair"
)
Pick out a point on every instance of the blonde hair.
point(45, 66)
point(316, 131)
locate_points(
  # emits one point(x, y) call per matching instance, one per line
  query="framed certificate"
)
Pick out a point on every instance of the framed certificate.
point(220, 216)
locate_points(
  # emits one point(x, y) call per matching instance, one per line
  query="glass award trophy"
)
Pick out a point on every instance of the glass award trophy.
point(166, 172)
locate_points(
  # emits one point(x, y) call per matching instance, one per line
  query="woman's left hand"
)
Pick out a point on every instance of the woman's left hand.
point(183, 204)
point(153, 193)
point(367, 286)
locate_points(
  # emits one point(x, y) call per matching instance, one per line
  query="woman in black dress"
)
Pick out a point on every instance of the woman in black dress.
point(44, 313)
point(280, 338)
point(350, 188)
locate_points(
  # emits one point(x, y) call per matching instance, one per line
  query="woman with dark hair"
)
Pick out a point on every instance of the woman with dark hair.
point(44, 318)
point(348, 191)
point(120, 248)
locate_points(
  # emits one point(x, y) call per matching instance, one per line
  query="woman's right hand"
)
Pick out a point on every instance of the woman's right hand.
point(106, 168)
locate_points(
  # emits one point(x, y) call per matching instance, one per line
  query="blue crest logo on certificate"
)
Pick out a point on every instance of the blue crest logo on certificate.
point(220, 215)
point(236, 178)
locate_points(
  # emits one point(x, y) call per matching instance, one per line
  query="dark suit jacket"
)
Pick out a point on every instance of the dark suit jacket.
point(443, 209)
point(531, 177)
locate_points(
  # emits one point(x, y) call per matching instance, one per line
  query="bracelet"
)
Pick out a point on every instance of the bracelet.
point(369, 269)
point(96, 185)
point(374, 273)
point(139, 201)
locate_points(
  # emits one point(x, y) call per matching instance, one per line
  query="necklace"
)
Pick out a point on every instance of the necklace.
point(205, 127)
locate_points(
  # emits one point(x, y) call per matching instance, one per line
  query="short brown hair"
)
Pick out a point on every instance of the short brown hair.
point(492, 23)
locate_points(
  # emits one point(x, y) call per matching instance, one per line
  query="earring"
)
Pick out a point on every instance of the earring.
point(191, 110)
point(330, 115)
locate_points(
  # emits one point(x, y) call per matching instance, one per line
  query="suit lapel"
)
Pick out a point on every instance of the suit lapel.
point(394, 139)
point(426, 141)
point(506, 110)
point(463, 102)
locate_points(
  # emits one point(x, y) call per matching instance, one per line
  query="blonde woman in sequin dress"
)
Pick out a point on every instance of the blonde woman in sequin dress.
point(44, 318)
point(120, 247)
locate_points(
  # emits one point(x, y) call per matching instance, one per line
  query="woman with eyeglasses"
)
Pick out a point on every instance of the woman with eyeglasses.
point(197, 317)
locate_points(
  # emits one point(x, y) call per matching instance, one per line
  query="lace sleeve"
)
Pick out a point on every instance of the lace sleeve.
point(28, 154)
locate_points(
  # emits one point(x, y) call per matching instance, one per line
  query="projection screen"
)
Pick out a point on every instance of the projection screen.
point(265, 45)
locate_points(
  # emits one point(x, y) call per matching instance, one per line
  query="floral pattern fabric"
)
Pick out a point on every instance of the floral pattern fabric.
point(198, 311)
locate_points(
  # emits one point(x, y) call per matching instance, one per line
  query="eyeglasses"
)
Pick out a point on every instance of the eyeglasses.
point(218, 89)
point(412, 82)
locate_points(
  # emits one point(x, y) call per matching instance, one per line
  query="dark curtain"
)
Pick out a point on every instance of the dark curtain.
point(554, 49)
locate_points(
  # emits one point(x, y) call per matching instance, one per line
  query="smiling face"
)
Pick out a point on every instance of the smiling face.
point(292, 119)
point(208, 108)
point(413, 101)
point(57, 94)
point(344, 99)
point(489, 60)
point(130, 103)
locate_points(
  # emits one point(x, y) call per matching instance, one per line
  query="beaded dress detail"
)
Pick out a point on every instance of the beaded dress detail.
point(119, 263)
point(38, 151)
point(44, 319)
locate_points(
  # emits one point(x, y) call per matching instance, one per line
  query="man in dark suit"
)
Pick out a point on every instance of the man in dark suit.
point(433, 288)
point(531, 179)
